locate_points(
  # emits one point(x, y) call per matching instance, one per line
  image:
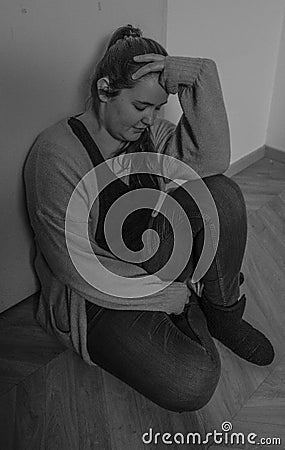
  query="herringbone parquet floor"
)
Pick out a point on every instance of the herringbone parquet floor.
point(258, 400)
point(50, 399)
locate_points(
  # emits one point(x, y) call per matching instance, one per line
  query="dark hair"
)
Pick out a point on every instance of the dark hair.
point(118, 64)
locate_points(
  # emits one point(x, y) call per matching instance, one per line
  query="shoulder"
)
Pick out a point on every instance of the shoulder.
point(58, 140)
point(57, 135)
point(57, 150)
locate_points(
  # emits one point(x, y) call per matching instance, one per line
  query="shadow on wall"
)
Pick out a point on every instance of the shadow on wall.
point(86, 79)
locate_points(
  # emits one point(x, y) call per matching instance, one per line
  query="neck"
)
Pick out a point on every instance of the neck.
point(106, 143)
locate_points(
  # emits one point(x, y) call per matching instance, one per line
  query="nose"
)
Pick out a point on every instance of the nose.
point(148, 119)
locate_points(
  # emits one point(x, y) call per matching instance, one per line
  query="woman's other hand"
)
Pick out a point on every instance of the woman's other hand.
point(196, 287)
point(154, 63)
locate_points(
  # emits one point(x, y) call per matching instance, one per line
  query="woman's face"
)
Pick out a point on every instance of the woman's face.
point(126, 116)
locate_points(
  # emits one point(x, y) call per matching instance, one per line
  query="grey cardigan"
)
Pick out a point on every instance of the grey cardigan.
point(58, 161)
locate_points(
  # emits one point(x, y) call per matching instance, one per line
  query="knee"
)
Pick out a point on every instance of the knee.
point(225, 189)
point(225, 192)
point(190, 393)
point(229, 200)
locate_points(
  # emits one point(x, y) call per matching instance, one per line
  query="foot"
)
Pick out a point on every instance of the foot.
point(226, 325)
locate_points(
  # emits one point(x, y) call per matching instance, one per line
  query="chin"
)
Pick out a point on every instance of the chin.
point(134, 137)
point(131, 136)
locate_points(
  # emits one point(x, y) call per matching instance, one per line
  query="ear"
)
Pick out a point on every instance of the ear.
point(103, 87)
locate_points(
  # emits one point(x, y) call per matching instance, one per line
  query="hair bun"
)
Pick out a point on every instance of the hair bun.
point(124, 32)
point(132, 31)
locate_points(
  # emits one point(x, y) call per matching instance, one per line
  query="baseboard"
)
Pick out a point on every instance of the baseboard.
point(246, 161)
point(275, 153)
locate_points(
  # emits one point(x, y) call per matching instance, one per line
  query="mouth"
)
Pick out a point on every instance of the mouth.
point(139, 130)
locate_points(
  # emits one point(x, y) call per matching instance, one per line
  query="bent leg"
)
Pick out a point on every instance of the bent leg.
point(221, 281)
point(149, 353)
point(220, 301)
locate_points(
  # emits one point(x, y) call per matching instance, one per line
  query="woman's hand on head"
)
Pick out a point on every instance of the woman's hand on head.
point(154, 63)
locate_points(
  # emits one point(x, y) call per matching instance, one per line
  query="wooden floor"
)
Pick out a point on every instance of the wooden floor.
point(50, 399)
point(256, 396)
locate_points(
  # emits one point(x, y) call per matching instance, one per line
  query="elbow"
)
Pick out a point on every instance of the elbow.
point(223, 167)
point(222, 163)
point(210, 63)
point(218, 168)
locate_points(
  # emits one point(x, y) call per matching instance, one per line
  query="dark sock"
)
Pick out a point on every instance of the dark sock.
point(226, 325)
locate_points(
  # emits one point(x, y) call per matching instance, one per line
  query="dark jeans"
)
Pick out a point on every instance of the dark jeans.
point(169, 360)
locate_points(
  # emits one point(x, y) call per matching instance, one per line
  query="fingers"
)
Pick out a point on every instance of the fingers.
point(197, 287)
point(154, 63)
point(147, 68)
point(149, 57)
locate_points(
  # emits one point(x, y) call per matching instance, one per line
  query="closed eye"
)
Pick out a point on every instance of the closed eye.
point(139, 108)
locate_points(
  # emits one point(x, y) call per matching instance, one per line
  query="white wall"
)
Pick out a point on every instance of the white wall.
point(48, 49)
point(276, 127)
point(243, 38)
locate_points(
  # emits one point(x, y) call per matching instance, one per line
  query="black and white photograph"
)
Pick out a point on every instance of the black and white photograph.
point(142, 270)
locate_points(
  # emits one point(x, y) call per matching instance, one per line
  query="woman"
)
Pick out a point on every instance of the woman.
point(160, 344)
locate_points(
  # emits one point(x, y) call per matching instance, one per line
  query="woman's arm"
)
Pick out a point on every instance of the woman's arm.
point(201, 139)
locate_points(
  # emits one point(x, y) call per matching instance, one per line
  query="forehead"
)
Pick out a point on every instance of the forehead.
point(147, 90)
